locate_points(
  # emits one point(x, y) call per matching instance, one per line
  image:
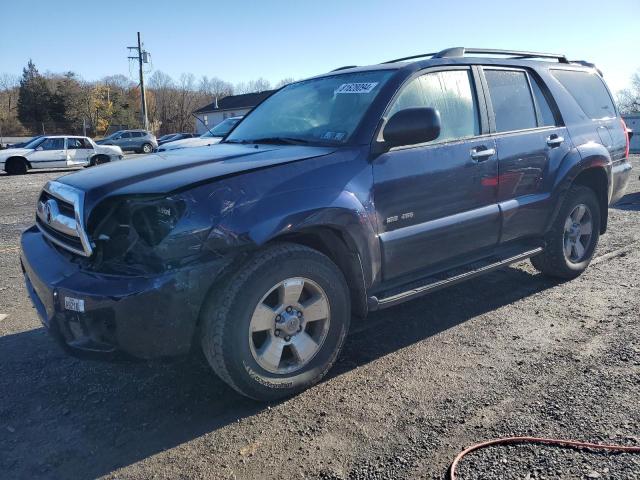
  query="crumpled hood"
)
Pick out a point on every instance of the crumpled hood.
point(165, 172)
point(190, 142)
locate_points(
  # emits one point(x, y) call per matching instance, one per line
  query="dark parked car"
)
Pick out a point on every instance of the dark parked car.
point(172, 137)
point(139, 141)
point(345, 193)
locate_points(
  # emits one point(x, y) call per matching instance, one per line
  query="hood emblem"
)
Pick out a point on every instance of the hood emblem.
point(49, 206)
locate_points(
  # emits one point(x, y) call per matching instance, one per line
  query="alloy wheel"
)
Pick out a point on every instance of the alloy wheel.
point(578, 231)
point(289, 325)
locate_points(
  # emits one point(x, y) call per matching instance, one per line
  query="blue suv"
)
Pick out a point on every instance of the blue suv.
point(338, 195)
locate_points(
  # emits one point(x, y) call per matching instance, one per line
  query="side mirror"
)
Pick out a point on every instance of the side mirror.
point(412, 126)
point(39, 149)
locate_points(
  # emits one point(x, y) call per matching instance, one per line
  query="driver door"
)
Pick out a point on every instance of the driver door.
point(49, 154)
point(437, 201)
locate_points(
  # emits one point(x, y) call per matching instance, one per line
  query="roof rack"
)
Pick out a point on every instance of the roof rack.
point(461, 51)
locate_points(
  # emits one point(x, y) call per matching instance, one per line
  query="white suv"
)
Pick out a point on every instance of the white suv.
point(57, 151)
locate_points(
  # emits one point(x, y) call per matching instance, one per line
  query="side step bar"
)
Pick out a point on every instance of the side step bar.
point(431, 284)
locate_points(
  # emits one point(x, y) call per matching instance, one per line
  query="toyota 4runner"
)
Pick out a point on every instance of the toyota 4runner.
point(341, 194)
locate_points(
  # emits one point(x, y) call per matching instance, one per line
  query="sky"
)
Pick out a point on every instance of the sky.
point(241, 40)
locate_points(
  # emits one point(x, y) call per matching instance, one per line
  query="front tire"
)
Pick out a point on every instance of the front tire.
point(16, 166)
point(278, 324)
point(574, 236)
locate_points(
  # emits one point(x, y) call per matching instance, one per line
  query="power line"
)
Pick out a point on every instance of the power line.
point(142, 57)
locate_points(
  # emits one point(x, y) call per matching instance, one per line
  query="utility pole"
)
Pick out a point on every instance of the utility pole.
point(141, 57)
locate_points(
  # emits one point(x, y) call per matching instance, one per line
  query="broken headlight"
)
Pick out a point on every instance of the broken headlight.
point(139, 233)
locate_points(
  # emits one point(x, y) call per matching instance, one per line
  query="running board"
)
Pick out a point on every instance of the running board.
point(437, 282)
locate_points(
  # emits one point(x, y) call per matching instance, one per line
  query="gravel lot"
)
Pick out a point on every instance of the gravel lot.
point(511, 353)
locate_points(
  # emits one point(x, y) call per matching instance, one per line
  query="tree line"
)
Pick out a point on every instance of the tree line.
point(65, 103)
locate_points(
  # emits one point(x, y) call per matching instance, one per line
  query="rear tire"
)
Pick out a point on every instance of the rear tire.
point(147, 148)
point(99, 160)
point(16, 166)
point(279, 322)
point(573, 238)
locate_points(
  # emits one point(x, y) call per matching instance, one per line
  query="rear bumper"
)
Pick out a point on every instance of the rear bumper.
point(108, 315)
point(620, 174)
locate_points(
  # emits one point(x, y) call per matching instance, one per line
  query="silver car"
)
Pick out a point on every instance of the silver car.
point(57, 151)
point(139, 141)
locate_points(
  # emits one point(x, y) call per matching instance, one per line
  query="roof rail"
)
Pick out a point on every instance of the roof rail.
point(462, 51)
point(343, 68)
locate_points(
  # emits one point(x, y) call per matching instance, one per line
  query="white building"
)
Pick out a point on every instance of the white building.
point(633, 122)
point(232, 106)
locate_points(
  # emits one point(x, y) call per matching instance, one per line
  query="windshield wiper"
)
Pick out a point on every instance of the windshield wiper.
point(282, 140)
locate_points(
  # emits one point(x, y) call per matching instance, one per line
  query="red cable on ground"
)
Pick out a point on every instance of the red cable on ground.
point(545, 441)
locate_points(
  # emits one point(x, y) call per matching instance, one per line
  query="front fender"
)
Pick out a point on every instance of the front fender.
point(292, 212)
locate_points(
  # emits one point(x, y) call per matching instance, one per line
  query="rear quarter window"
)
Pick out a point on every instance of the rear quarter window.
point(588, 91)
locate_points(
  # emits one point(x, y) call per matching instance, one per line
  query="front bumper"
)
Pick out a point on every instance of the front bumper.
point(107, 315)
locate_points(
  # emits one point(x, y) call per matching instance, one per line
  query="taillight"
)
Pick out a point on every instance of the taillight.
point(626, 137)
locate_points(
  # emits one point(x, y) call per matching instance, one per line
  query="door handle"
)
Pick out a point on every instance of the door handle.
point(554, 140)
point(482, 153)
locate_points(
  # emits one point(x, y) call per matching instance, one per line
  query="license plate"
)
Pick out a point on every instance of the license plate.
point(74, 304)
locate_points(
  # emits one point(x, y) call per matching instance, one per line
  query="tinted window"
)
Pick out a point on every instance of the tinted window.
point(125, 135)
point(450, 93)
point(74, 143)
point(589, 91)
point(137, 134)
point(511, 100)
point(547, 118)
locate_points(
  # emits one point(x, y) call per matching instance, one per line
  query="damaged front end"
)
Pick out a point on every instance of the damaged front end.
point(142, 235)
point(139, 286)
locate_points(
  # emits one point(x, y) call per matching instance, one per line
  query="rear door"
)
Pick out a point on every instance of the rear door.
point(531, 141)
point(79, 150)
point(436, 201)
point(49, 154)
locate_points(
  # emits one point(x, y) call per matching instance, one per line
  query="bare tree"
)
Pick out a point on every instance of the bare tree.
point(629, 98)
point(285, 81)
point(259, 85)
point(9, 84)
point(214, 88)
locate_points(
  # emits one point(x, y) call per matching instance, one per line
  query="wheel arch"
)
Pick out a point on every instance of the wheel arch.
point(588, 165)
point(596, 179)
point(18, 157)
point(340, 248)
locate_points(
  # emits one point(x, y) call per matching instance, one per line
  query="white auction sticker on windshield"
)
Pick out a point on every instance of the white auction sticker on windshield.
point(363, 87)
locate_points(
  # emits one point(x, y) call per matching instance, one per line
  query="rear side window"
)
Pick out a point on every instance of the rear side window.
point(511, 100)
point(137, 134)
point(547, 119)
point(450, 92)
point(589, 92)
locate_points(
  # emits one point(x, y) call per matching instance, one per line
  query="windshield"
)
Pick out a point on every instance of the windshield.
point(34, 142)
point(222, 128)
point(321, 110)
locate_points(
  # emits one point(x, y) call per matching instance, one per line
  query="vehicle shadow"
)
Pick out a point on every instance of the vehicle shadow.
point(40, 171)
point(86, 419)
point(630, 201)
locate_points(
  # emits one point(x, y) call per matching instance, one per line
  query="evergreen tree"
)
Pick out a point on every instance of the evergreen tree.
point(33, 97)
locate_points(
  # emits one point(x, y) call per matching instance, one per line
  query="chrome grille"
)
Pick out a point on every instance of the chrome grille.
point(59, 217)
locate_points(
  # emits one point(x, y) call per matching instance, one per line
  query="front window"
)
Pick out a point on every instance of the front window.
point(222, 128)
point(321, 110)
point(450, 92)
